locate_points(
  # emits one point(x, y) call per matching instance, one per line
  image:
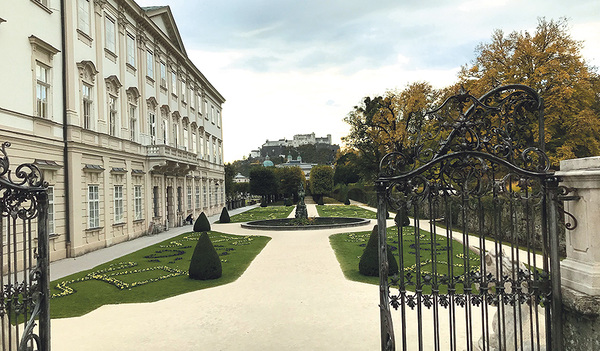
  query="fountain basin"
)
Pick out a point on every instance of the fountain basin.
point(312, 223)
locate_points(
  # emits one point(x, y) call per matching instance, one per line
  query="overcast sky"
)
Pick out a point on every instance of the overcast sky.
point(290, 67)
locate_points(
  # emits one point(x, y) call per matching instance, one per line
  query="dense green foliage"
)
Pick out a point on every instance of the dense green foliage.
point(290, 179)
point(224, 216)
point(230, 190)
point(321, 180)
point(369, 261)
point(549, 61)
point(202, 224)
point(263, 181)
point(205, 263)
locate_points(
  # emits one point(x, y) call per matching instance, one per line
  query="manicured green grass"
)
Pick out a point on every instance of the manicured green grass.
point(349, 248)
point(150, 274)
point(345, 211)
point(260, 213)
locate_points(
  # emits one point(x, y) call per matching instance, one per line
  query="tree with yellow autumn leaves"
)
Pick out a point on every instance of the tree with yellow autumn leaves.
point(548, 60)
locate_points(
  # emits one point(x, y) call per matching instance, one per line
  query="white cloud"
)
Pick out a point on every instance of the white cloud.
point(288, 67)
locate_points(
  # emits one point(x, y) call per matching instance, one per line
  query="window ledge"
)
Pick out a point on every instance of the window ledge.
point(137, 221)
point(120, 224)
point(84, 37)
point(110, 55)
point(93, 229)
point(130, 68)
point(42, 6)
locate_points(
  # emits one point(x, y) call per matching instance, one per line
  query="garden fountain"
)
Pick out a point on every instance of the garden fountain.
point(303, 222)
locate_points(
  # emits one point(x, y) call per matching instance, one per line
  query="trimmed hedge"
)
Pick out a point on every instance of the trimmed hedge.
point(202, 224)
point(224, 216)
point(205, 263)
point(369, 261)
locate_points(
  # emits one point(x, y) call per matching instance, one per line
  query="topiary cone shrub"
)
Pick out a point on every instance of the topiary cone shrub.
point(202, 224)
point(205, 263)
point(402, 219)
point(224, 216)
point(347, 202)
point(369, 261)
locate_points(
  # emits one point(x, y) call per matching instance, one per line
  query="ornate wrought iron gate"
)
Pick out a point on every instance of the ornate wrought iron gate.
point(24, 302)
point(480, 268)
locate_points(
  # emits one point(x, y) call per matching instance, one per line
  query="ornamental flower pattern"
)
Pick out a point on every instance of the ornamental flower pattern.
point(121, 274)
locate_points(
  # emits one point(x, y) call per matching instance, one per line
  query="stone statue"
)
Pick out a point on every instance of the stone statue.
point(301, 211)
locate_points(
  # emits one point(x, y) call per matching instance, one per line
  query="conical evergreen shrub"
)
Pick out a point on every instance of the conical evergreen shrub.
point(205, 263)
point(347, 202)
point(224, 216)
point(202, 224)
point(402, 219)
point(369, 261)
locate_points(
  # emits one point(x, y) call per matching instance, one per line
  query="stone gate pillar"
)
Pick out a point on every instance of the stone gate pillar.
point(580, 271)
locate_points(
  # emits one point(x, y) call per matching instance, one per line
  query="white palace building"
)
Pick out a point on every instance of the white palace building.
point(101, 95)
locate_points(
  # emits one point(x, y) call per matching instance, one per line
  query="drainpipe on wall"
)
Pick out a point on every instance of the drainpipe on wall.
point(65, 120)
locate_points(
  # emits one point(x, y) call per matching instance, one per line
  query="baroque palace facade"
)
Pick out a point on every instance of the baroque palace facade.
point(102, 97)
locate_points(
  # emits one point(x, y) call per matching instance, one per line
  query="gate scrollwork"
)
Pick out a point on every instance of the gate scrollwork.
point(477, 182)
point(24, 303)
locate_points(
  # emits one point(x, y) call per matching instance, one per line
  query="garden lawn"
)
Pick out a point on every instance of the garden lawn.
point(349, 247)
point(150, 274)
point(345, 211)
point(260, 213)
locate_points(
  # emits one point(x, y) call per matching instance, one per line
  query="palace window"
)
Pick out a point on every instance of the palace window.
point(130, 50)
point(194, 143)
point(112, 115)
point(132, 122)
point(132, 102)
point(150, 64)
point(174, 83)
point(86, 96)
point(175, 135)
point(155, 203)
point(183, 91)
point(83, 16)
point(42, 90)
point(165, 129)
point(118, 203)
point(189, 197)
point(152, 122)
point(93, 206)
point(137, 202)
point(197, 196)
point(185, 138)
point(109, 34)
point(163, 75)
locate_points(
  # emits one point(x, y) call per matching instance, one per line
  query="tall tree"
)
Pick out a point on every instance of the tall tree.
point(290, 179)
point(382, 124)
point(229, 185)
point(548, 60)
point(263, 182)
point(321, 181)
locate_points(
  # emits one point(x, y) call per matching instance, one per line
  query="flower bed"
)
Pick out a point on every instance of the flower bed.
point(150, 274)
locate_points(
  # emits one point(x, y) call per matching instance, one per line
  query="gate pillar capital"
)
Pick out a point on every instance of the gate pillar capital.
point(581, 270)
